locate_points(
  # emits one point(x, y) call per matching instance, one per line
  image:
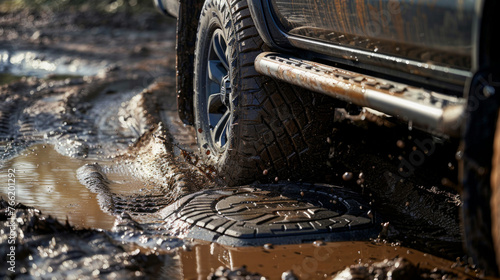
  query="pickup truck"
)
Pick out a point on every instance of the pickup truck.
point(256, 79)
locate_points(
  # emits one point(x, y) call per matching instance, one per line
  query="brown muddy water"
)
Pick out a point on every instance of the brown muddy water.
point(47, 180)
point(317, 260)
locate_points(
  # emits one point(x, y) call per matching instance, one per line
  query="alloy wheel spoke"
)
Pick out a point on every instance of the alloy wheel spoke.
point(220, 130)
point(215, 103)
point(219, 47)
point(216, 71)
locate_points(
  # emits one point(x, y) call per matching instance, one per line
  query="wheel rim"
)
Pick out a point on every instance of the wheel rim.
point(218, 91)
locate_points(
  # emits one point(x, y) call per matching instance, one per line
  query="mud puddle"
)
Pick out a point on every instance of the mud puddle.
point(48, 180)
point(43, 63)
point(56, 185)
point(319, 260)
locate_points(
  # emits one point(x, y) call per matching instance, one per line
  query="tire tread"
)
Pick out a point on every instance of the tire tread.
point(277, 126)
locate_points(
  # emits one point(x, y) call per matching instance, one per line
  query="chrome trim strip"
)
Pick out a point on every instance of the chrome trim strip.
point(431, 111)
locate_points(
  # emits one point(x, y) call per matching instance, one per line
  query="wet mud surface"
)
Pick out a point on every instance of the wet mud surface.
point(89, 130)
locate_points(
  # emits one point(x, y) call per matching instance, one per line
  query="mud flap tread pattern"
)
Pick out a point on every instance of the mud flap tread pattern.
point(253, 214)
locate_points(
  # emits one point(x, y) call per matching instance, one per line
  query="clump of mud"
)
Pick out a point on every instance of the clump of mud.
point(398, 268)
point(223, 273)
point(155, 162)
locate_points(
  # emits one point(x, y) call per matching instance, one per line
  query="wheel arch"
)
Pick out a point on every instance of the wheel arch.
point(266, 27)
point(187, 25)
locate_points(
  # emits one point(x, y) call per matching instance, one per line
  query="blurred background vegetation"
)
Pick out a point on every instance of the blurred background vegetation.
point(105, 6)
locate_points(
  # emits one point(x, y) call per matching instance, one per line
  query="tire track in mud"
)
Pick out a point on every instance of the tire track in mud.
point(112, 200)
point(101, 118)
point(117, 117)
point(69, 114)
point(18, 121)
point(36, 111)
point(154, 178)
point(8, 111)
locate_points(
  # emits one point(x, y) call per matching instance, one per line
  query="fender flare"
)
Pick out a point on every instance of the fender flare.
point(187, 25)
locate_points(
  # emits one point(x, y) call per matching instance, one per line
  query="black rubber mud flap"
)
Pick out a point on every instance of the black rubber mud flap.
point(277, 214)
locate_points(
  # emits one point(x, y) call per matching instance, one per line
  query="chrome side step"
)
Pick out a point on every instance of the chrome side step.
point(431, 111)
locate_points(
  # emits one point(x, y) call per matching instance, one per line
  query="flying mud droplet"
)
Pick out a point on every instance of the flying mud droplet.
point(265, 172)
point(361, 179)
point(200, 130)
point(288, 275)
point(448, 183)
point(302, 194)
point(276, 179)
point(347, 176)
point(370, 214)
point(207, 152)
point(400, 144)
point(451, 166)
point(319, 243)
point(268, 246)
point(385, 231)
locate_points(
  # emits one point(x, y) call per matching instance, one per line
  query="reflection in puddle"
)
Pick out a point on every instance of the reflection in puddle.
point(47, 180)
point(34, 63)
point(307, 261)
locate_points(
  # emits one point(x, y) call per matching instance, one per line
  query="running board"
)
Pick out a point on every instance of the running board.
point(427, 110)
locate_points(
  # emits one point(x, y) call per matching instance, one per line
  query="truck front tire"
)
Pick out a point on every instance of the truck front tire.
point(249, 126)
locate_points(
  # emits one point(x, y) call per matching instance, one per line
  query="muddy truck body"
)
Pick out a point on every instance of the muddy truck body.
point(255, 78)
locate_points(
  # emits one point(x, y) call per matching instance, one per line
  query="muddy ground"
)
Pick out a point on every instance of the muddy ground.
point(89, 132)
